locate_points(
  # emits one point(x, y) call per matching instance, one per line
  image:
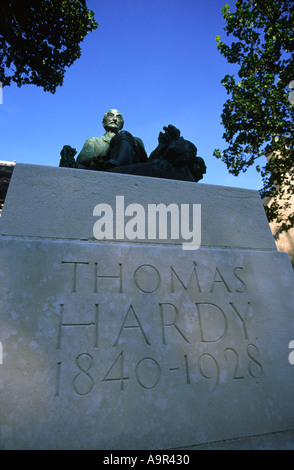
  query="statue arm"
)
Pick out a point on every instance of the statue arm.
point(93, 149)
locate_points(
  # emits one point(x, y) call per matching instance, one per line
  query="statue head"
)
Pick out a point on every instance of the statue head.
point(113, 121)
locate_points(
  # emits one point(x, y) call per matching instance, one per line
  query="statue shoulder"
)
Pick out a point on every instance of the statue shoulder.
point(91, 141)
point(93, 147)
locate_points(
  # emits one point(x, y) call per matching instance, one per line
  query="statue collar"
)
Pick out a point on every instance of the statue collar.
point(106, 138)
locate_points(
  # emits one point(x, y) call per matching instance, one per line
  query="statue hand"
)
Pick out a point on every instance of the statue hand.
point(170, 134)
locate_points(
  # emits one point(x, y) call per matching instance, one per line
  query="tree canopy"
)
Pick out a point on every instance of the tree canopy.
point(258, 117)
point(40, 38)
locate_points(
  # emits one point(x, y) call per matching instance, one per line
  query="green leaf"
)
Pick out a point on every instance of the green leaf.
point(40, 38)
point(257, 116)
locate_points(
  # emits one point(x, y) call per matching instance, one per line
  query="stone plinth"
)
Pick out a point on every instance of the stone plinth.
point(139, 344)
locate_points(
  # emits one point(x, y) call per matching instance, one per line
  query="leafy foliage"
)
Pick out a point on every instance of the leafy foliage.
point(258, 117)
point(40, 38)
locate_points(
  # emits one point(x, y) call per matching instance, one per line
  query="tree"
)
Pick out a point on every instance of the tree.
point(258, 117)
point(40, 38)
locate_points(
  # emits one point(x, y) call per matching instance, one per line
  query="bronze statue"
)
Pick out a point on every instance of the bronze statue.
point(118, 151)
point(67, 157)
point(114, 148)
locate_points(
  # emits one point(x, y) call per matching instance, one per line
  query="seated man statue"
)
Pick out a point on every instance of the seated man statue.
point(114, 148)
point(119, 152)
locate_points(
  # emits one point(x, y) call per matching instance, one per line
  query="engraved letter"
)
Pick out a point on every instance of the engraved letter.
point(242, 282)
point(108, 277)
point(151, 277)
point(131, 326)
point(76, 325)
point(213, 322)
point(172, 323)
point(173, 272)
point(243, 319)
point(74, 280)
point(215, 280)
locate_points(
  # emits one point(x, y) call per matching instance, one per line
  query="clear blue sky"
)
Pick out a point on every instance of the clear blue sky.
point(156, 61)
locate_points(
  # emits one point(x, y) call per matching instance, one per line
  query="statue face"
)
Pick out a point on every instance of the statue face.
point(113, 120)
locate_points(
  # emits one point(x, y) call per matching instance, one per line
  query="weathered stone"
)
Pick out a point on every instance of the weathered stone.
point(139, 345)
point(59, 203)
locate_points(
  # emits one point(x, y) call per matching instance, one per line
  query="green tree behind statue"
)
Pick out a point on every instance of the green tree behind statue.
point(258, 117)
point(40, 38)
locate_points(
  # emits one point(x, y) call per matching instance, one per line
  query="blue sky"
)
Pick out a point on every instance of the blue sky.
point(156, 61)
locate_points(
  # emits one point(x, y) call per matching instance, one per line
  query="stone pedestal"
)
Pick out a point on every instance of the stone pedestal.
point(139, 344)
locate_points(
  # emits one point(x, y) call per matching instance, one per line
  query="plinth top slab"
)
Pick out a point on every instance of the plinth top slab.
point(51, 202)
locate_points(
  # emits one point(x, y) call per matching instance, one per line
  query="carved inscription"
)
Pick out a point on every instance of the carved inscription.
point(147, 328)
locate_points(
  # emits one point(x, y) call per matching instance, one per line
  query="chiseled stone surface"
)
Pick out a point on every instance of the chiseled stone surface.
point(110, 345)
point(59, 202)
